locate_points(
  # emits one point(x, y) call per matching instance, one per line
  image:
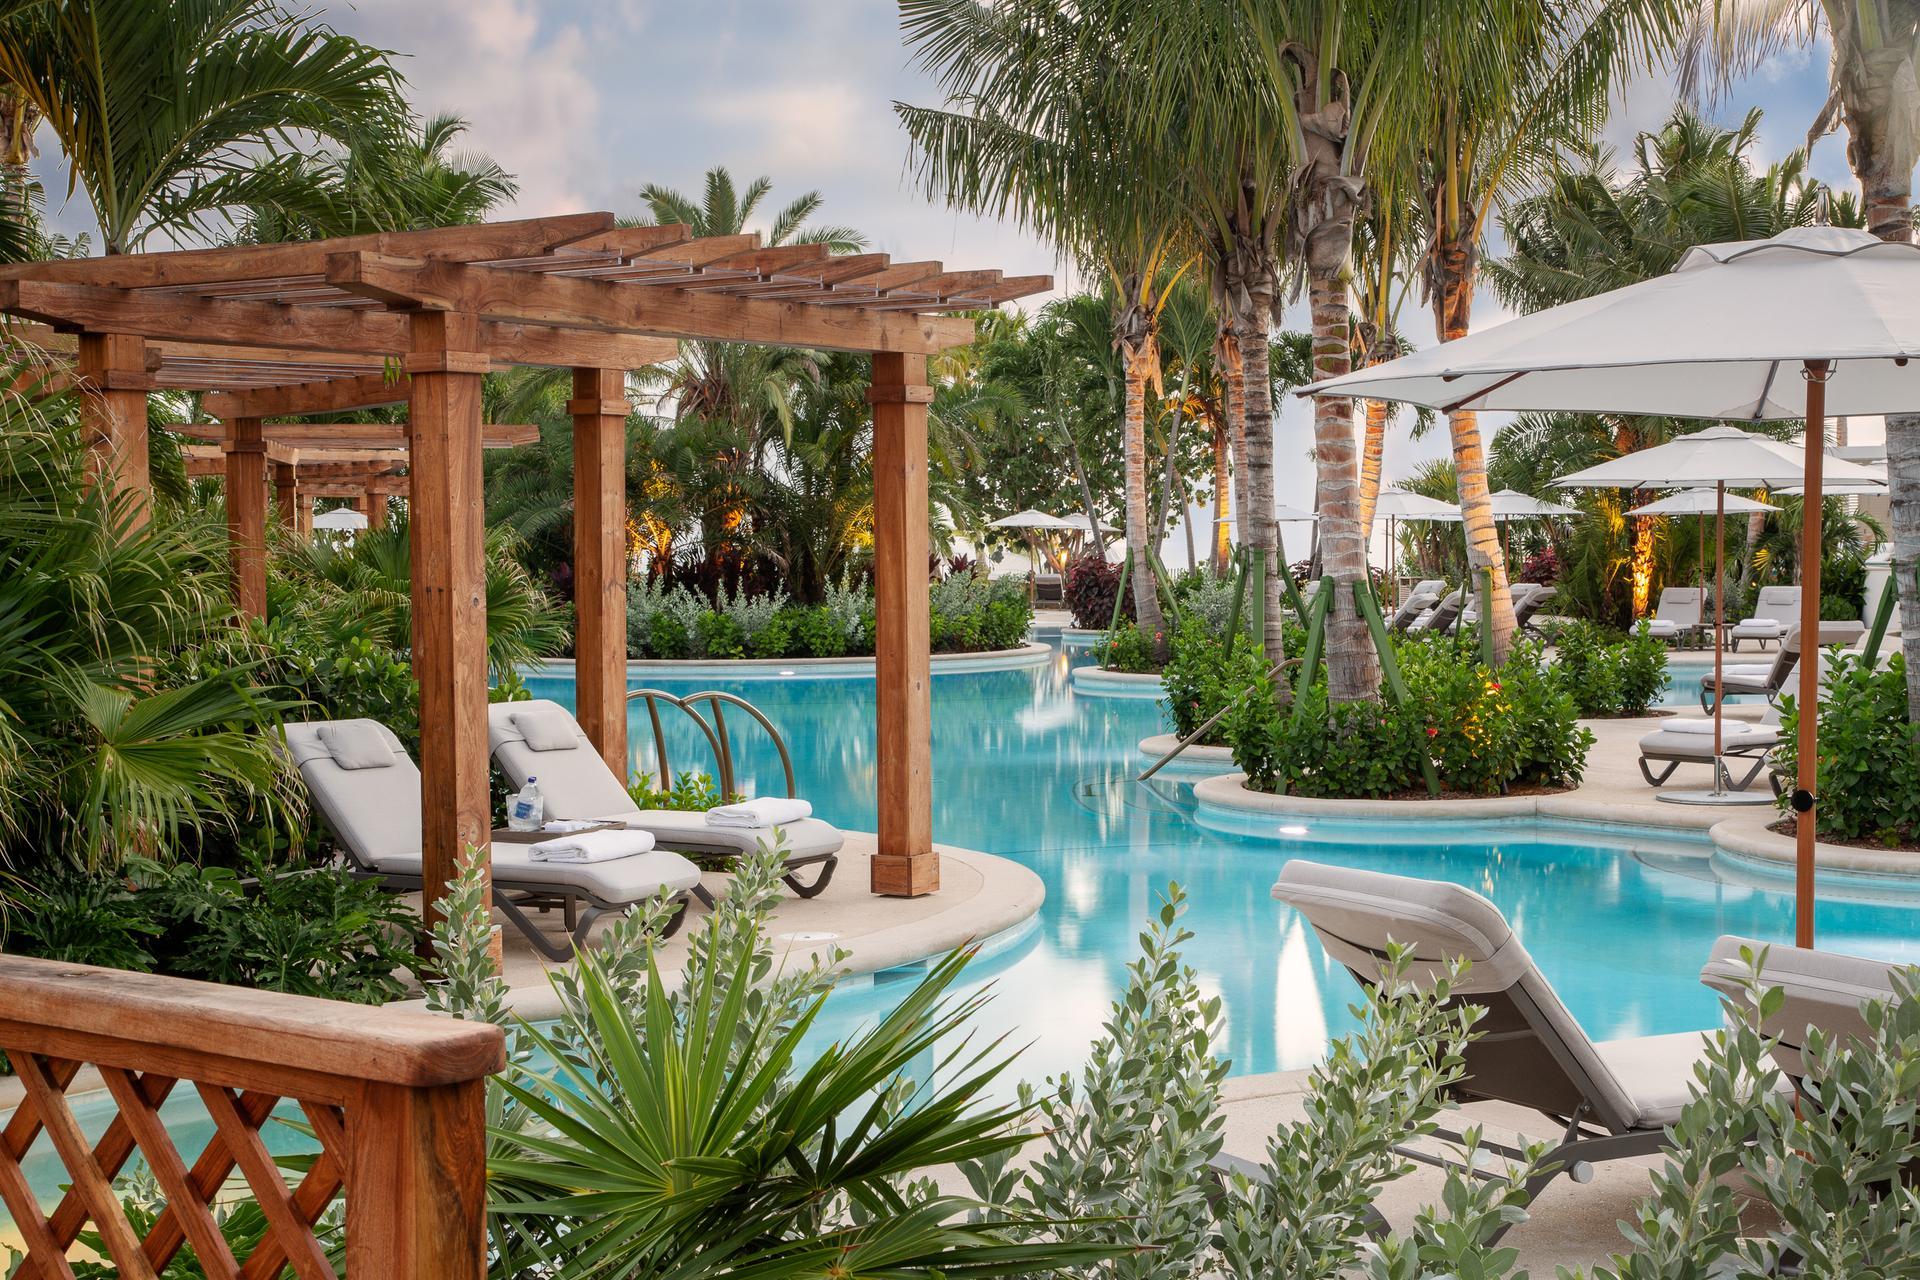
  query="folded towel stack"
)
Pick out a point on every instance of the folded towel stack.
point(754, 815)
point(592, 846)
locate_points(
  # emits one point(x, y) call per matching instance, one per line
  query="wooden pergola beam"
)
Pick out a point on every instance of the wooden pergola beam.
point(361, 435)
point(525, 238)
point(196, 320)
point(325, 395)
point(574, 302)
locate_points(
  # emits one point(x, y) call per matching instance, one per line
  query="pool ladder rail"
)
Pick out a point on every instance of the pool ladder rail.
point(719, 738)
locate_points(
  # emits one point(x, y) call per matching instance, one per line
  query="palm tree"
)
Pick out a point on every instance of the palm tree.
point(1593, 228)
point(1874, 90)
point(1046, 132)
point(1537, 88)
point(161, 108)
point(385, 179)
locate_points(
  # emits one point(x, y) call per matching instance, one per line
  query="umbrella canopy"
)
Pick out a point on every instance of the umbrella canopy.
point(1816, 320)
point(1717, 455)
point(1281, 512)
point(1511, 504)
point(1399, 504)
point(1700, 502)
point(1031, 519)
point(1078, 521)
point(1723, 335)
point(340, 520)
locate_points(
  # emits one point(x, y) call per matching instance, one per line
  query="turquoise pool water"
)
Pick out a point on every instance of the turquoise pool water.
point(1026, 768)
point(1620, 920)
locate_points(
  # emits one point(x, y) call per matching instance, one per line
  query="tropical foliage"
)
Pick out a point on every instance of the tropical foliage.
point(1869, 773)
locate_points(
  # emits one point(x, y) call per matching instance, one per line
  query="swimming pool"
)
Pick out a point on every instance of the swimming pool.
point(1620, 921)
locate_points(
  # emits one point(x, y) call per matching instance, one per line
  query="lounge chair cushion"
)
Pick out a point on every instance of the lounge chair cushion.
point(574, 780)
point(376, 815)
point(1822, 988)
point(375, 812)
point(1656, 1072)
point(1737, 738)
point(357, 744)
point(689, 832)
point(544, 727)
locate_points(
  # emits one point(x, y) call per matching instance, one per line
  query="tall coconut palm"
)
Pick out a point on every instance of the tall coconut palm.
point(1532, 86)
point(161, 108)
point(1874, 91)
point(1037, 124)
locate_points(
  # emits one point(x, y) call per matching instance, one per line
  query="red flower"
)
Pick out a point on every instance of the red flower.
point(1433, 733)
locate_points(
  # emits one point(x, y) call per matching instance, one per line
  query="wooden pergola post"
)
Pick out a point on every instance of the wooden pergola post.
point(904, 862)
point(377, 508)
point(448, 551)
point(599, 408)
point(113, 369)
point(286, 495)
point(246, 459)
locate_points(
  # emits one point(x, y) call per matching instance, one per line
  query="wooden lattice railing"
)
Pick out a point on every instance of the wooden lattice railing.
point(396, 1101)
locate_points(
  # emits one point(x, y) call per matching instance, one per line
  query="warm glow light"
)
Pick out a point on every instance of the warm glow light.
point(1642, 564)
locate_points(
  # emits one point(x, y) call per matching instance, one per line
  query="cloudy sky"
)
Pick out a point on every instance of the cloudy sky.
point(586, 101)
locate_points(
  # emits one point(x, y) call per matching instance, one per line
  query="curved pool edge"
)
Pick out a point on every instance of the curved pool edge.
point(1095, 682)
point(1027, 655)
point(1745, 837)
point(982, 898)
point(1197, 759)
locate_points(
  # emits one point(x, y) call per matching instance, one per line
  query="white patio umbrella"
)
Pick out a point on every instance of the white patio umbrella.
point(340, 520)
point(1726, 335)
point(1402, 504)
point(1511, 504)
point(1032, 521)
point(1715, 502)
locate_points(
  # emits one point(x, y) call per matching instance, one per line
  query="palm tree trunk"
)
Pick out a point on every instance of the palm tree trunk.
point(1756, 525)
point(1353, 668)
point(1236, 382)
point(1223, 504)
point(1252, 313)
point(1139, 358)
point(1888, 195)
point(18, 119)
point(1457, 266)
point(1372, 457)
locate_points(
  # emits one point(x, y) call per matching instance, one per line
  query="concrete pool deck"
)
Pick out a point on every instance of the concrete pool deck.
point(980, 895)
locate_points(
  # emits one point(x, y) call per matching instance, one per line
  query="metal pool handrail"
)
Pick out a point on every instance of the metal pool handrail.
point(717, 735)
point(1272, 674)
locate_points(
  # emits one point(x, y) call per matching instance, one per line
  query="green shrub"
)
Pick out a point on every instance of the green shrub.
point(1484, 732)
point(1126, 648)
point(1200, 680)
point(719, 636)
point(667, 637)
point(1869, 772)
point(775, 638)
point(691, 792)
point(1610, 677)
point(311, 931)
point(821, 634)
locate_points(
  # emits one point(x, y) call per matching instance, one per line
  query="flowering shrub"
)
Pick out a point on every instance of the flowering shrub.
point(1543, 567)
point(1485, 732)
point(1090, 586)
point(1126, 648)
point(1200, 679)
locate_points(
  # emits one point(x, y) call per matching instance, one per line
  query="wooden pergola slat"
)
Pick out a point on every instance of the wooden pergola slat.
point(291, 330)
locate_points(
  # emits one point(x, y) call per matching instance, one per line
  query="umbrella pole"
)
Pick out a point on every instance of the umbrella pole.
point(1816, 373)
point(1719, 550)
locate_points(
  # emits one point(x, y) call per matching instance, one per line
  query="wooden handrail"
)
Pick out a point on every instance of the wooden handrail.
point(396, 1102)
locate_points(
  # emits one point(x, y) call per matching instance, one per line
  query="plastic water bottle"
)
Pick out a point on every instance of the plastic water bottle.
point(528, 808)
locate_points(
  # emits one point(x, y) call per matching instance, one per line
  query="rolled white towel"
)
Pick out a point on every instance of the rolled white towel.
point(1694, 724)
point(766, 811)
point(592, 846)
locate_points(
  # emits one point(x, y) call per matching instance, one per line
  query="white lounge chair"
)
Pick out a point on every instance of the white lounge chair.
point(1822, 989)
point(541, 739)
point(1614, 1099)
point(1440, 619)
point(1774, 611)
point(1753, 679)
point(368, 790)
point(1679, 614)
point(1410, 609)
point(1689, 741)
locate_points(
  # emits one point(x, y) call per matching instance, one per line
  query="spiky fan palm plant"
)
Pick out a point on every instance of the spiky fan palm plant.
point(163, 109)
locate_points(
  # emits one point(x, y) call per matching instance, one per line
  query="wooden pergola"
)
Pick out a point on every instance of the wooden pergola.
point(282, 331)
